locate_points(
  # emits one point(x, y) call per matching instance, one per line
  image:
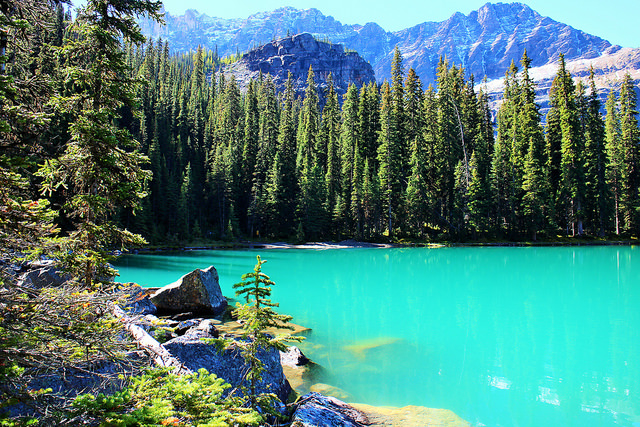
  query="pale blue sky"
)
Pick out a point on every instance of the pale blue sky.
point(617, 21)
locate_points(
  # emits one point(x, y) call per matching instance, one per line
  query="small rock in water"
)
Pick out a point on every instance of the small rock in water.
point(293, 357)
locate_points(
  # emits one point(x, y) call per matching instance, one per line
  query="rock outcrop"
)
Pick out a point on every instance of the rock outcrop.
point(229, 364)
point(295, 55)
point(198, 292)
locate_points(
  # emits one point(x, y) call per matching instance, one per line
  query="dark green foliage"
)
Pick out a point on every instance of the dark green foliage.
point(615, 156)
point(282, 183)
point(101, 165)
point(50, 330)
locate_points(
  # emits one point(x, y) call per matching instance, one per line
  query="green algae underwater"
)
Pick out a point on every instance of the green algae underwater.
point(502, 336)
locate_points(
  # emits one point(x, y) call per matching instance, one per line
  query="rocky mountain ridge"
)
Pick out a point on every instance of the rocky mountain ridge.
point(484, 42)
point(295, 55)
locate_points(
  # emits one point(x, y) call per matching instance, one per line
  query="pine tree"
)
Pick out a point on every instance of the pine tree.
point(311, 207)
point(389, 161)
point(417, 197)
point(257, 315)
point(267, 145)
point(504, 186)
point(533, 179)
point(308, 126)
point(479, 193)
point(348, 142)
point(249, 154)
point(450, 140)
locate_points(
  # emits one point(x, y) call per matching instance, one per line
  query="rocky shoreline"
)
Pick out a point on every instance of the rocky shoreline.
point(347, 244)
point(174, 323)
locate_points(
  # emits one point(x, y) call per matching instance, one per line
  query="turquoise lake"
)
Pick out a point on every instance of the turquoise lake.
point(502, 336)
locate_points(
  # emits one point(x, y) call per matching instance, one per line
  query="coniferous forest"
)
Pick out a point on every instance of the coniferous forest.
point(389, 161)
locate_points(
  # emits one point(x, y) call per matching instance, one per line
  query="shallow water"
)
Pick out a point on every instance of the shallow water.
point(501, 336)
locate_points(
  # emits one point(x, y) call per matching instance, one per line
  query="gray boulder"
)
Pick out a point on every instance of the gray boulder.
point(198, 292)
point(229, 365)
point(44, 274)
point(316, 410)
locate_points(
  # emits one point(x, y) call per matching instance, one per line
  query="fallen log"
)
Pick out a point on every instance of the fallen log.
point(159, 354)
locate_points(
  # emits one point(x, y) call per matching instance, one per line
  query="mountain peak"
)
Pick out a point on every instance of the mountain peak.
point(296, 54)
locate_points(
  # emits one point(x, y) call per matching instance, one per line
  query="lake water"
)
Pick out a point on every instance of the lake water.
point(536, 337)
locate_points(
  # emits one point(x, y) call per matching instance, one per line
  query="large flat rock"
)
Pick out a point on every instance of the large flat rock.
point(229, 365)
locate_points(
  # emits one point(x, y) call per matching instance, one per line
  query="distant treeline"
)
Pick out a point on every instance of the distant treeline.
point(393, 160)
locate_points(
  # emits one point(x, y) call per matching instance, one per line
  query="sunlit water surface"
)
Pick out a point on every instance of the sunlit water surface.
point(501, 336)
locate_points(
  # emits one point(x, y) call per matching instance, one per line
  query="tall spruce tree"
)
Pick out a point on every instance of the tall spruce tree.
point(533, 179)
point(629, 140)
point(330, 133)
point(392, 147)
point(480, 165)
point(504, 187)
point(595, 160)
point(615, 156)
point(311, 208)
point(249, 156)
point(348, 142)
point(571, 191)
